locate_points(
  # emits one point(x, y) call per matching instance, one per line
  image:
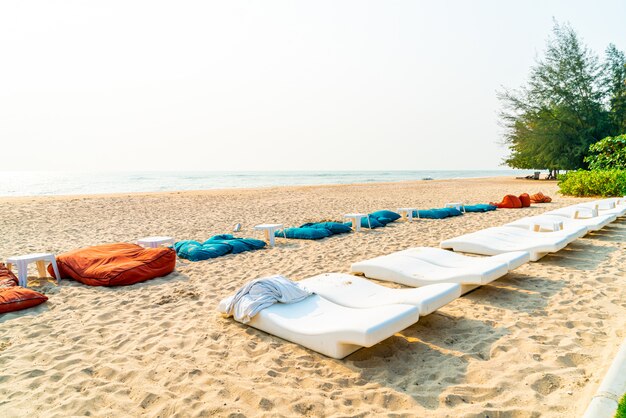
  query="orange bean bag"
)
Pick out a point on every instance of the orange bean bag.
point(509, 202)
point(14, 297)
point(540, 198)
point(525, 199)
point(115, 264)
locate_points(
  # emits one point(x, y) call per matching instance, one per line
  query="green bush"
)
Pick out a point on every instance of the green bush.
point(583, 183)
point(621, 408)
point(608, 153)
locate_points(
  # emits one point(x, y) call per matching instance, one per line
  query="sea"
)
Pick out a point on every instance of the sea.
point(57, 183)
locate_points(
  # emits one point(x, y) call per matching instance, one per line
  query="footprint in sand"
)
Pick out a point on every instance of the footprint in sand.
point(573, 359)
point(547, 384)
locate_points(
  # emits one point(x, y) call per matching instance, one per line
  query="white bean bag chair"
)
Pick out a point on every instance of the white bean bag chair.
point(357, 292)
point(606, 207)
point(591, 215)
point(424, 266)
point(331, 329)
point(502, 239)
point(551, 223)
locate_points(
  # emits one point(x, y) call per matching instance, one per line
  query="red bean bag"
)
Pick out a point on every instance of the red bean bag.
point(509, 202)
point(14, 297)
point(115, 264)
point(540, 198)
point(525, 199)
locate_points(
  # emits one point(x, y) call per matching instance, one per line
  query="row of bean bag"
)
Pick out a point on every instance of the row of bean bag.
point(317, 230)
point(439, 213)
point(215, 246)
point(378, 219)
point(480, 207)
point(14, 297)
point(513, 202)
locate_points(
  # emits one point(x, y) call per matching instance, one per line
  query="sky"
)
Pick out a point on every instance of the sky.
point(271, 85)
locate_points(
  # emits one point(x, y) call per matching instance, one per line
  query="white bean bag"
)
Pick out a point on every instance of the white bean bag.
point(331, 329)
point(357, 292)
point(606, 207)
point(593, 218)
point(502, 239)
point(551, 223)
point(424, 266)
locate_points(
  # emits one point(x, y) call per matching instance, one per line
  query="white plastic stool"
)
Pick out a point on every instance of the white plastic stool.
point(356, 220)
point(269, 231)
point(408, 213)
point(155, 242)
point(457, 205)
point(22, 261)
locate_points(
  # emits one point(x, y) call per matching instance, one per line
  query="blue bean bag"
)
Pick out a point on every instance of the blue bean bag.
point(385, 216)
point(304, 233)
point(334, 227)
point(239, 245)
point(481, 207)
point(194, 251)
point(439, 213)
point(375, 223)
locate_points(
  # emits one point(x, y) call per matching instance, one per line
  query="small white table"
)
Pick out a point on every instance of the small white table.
point(269, 232)
point(155, 242)
point(356, 220)
point(408, 213)
point(552, 226)
point(457, 205)
point(22, 261)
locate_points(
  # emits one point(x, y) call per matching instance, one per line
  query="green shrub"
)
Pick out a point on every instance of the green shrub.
point(621, 408)
point(608, 154)
point(593, 183)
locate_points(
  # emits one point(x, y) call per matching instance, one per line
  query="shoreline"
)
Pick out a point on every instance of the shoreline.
point(262, 188)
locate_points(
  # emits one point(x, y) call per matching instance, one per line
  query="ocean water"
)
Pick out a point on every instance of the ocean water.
point(54, 183)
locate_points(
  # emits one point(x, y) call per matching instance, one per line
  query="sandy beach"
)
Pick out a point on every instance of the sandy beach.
point(535, 343)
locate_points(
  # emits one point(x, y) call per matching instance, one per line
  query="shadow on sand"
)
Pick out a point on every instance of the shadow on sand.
point(517, 292)
point(581, 254)
point(448, 341)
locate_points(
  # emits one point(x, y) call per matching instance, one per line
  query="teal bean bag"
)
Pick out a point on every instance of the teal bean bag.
point(334, 227)
point(304, 233)
point(195, 251)
point(375, 223)
point(385, 216)
point(239, 245)
point(439, 213)
point(481, 207)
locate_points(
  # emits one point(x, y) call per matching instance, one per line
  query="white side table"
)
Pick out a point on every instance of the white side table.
point(269, 232)
point(356, 220)
point(22, 261)
point(457, 205)
point(408, 213)
point(155, 242)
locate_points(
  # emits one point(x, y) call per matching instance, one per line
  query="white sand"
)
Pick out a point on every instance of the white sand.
point(534, 343)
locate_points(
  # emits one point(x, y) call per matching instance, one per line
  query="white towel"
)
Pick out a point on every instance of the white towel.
point(259, 294)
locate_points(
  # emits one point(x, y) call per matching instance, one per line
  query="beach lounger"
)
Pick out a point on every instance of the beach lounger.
point(502, 239)
point(583, 212)
point(332, 329)
point(606, 207)
point(548, 222)
point(357, 292)
point(424, 266)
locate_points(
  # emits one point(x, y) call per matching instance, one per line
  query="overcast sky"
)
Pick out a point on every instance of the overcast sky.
point(271, 85)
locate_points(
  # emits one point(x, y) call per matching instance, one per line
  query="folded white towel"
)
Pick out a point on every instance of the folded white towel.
point(259, 294)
